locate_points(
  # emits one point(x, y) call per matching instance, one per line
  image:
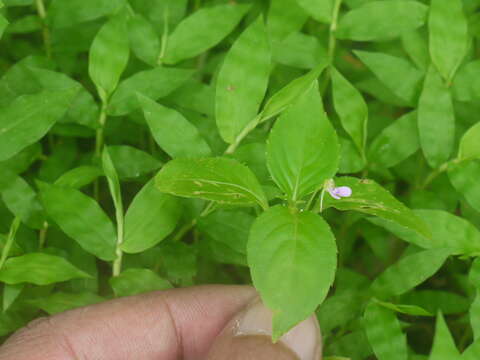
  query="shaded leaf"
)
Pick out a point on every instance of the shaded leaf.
point(137, 281)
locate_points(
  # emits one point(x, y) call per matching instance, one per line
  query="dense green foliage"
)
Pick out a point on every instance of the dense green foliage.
point(325, 151)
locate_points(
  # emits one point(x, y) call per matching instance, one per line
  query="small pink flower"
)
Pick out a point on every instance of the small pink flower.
point(340, 192)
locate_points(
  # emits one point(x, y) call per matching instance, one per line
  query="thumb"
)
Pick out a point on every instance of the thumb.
point(248, 337)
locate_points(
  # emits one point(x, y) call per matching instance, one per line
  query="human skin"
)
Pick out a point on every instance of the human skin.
point(205, 322)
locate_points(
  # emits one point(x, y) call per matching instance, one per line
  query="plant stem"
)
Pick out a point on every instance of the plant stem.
point(187, 227)
point(117, 264)
point(250, 126)
point(99, 140)
point(434, 174)
point(42, 236)
point(9, 242)
point(332, 44)
point(100, 131)
point(164, 43)
point(45, 31)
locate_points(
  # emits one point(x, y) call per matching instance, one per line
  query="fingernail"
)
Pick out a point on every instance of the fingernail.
point(304, 339)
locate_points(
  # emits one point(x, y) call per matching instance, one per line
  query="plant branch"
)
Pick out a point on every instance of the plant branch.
point(42, 13)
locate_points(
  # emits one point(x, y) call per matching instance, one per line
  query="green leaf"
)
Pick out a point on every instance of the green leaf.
point(300, 50)
point(472, 352)
point(159, 118)
point(137, 281)
point(10, 294)
point(82, 219)
point(464, 178)
point(62, 14)
point(155, 84)
point(404, 82)
point(238, 100)
point(3, 25)
point(474, 313)
point(469, 146)
point(29, 117)
point(109, 55)
point(39, 269)
point(292, 257)
point(61, 301)
point(131, 162)
point(385, 333)
point(404, 309)
point(230, 249)
point(303, 149)
point(351, 108)
point(399, 277)
point(281, 23)
point(22, 201)
point(288, 95)
point(320, 10)
point(151, 217)
point(449, 40)
point(374, 21)
point(447, 231)
point(434, 300)
point(144, 40)
point(370, 198)
point(436, 120)
point(466, 84)
point(396, 142)
point(443, 344)
point(202, 30)
point(219, 179)
point(79, 177)
point(415, 43)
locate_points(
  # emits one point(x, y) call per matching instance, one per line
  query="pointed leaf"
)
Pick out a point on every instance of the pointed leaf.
point(374, 21)
point(436, 120)
point(39, 269)
point(82, 219)
point(443, 344)
point(151, 217)
point(320, 10)
point(159, 118)
point(292, 257)
point(242, 81)
point(384, 333)
point(448, 29)
point(303, 149)
point(219, 179)
point(109, 55)
point(29, 117)
point(155, 84)
point(370, 198)
point(404, 82)
point(399, 277)
point(464, 178)
point(351, 108)
point(469, 144)
point(202, 30)
point(396, 142)
point(447, 231)
point(137, 281)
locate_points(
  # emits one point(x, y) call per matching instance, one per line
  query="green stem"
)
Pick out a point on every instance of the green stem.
point(434, 174)
point(9, 242)
point(117, 264)
point(332, 44)
point(187, 227)
point(99, 140)
point(42, 13)
point(164, 43)
point(100, 131)
point(42, 236)
point(250, 126)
